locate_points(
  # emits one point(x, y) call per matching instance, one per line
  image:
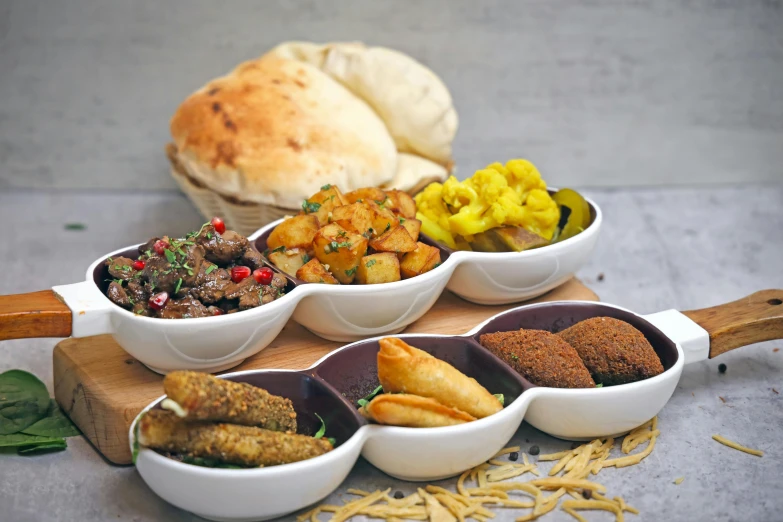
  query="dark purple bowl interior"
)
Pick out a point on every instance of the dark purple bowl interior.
point(309, 396)
point(260, 245)
point(102, 277)
point(555, 317)
point(353, 371)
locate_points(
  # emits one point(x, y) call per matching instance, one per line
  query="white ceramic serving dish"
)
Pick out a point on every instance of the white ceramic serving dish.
point(435, 453)
point(339, 313)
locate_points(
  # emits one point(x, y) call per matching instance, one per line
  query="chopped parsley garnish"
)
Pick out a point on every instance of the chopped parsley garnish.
point(515, 357)
point(388, 226)
point(209, 235)
point(110, 259)
point(334, 245)
point(382, 201)
point(326, 187)
point(210, 269)
point(341, 233)
point(179, 284)
point(500, 398)
point(139, 312)
point(148, 253)
point(278, 249)
point(322, 431)
point(309, 207)
point(360, 200)
point(370, 263)
point(402, 220)
point(599, 385)
point(350, 271)
point(365, 400)
point(170, 257)
point(118, 281)
point(305, 258)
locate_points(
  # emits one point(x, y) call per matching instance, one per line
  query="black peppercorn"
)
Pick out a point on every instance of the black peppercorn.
point(399, 494)
point(534, 450)
point(514, 456)
point(587, 493)
point(722, 368)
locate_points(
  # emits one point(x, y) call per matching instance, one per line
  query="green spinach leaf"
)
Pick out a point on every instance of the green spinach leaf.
point(501, 398)
point(55, 424)
point(55, 445)
point(22, 439)
point(23, 401)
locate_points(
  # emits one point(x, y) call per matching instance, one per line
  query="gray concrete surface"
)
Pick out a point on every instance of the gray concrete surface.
point(599, 92)
point(660, 248)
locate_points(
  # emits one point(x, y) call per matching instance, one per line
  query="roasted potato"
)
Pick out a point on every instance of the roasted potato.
point(356, 217)
point(401, 203)
point(383, 219)
point(421, 260)
point(507, 239)
point(341, 250)
point(378, 268)
point(323, 203)
point(365, 194)
point(314, 272)
point(289, 260)
point(413, 226)
point(294, 232)
point(396, 239)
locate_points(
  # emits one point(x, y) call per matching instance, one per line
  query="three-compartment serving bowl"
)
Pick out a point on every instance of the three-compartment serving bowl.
point(335, 312)
point(332, 386)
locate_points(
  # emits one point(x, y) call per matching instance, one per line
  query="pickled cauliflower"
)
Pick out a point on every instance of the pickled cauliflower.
point(499, 195)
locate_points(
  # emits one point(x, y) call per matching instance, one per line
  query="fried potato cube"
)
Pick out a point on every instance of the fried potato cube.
point(383, 219)
point(355, 217)
point(507, 239)
point(323, 203)
point(365, 194)
point(413, 226)
point(401, 203)
point(289, 260)
point(341, 250)
point(420, 261)
point(294, 232)
point(314, 272)
point(378, 268)
point(396, 239)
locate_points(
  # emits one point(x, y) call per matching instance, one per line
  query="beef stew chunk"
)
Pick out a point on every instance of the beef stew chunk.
point(196, 273)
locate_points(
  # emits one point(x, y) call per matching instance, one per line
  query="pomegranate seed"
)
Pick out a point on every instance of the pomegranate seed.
point(158, 301)
point(160, 246)
point(138, 264)
point(219, 225)
point(263, 275)
point(238, 273)
point(218, 311)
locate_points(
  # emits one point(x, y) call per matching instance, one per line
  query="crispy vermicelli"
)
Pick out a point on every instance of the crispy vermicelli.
point(492, 489)
point(595, 504)
point(737, 446)
point(504, 451)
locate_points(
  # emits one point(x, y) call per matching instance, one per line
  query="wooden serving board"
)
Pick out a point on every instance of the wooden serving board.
point(102, 388)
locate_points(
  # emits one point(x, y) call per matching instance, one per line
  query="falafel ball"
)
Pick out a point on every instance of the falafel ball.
point(614, 351)
point(540, 357)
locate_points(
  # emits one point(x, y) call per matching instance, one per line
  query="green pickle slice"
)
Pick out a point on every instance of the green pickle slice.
point(579, 217)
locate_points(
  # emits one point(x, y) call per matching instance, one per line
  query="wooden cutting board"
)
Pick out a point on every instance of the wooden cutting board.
point(102, 388)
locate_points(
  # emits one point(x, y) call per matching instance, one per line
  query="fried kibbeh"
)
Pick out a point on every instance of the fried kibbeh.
point(613, 351)
point(540, 357)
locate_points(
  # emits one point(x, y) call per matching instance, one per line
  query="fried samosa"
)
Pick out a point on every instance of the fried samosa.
point(405, 369)
point(401, 409)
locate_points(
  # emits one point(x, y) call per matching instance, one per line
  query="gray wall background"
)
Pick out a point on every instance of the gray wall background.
point(595, 92)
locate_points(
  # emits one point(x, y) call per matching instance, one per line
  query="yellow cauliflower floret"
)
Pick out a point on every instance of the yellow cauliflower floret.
point(500, 195)
point(433, 214)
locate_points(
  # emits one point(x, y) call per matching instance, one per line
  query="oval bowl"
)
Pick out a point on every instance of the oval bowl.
point(334, 384)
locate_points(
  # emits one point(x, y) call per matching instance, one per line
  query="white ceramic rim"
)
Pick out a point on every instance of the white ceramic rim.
point(458, 430)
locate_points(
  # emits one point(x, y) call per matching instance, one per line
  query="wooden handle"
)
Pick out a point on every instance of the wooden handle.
point(752, 319)
point(37, 314)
